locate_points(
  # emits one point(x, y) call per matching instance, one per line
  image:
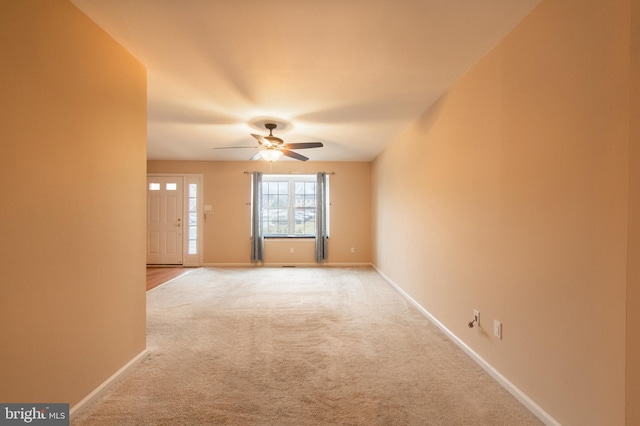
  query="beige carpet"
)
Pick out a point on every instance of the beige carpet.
point(298, 346)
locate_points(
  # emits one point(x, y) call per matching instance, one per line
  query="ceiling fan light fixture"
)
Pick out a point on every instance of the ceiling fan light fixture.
point(270, 154)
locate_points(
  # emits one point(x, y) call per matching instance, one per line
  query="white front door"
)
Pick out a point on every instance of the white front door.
point(164, 220)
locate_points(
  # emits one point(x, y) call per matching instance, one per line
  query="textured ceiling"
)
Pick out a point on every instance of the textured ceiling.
point(352, 74)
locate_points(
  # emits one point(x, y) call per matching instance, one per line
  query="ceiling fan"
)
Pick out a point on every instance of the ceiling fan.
point(272, 147)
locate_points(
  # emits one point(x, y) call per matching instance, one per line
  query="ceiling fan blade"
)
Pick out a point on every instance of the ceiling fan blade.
point(260, 139)
point(236, 147)
point(255, 157)
point(304, 145)
point(294, 155)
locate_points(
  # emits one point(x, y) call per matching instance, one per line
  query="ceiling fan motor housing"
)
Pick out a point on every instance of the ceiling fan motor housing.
point(272, 139)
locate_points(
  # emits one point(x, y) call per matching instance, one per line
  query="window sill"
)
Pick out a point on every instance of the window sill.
point(284, 237)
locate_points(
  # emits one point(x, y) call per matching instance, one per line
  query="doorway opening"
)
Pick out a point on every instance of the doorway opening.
point(174, 220)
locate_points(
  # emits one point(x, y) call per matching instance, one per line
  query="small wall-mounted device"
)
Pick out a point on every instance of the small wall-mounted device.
point(497, 329)
point(476, 319)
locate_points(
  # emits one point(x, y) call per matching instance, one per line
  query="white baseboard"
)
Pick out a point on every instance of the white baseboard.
point(497, 376)
point(76, 409)
point(283, 265)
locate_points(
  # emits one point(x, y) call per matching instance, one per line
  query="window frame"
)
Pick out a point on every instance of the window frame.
point(291, 180)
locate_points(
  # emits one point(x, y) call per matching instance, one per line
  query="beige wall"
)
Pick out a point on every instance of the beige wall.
point(510, 196)
point(633, 280)
point(228, 190)
point(72, 167)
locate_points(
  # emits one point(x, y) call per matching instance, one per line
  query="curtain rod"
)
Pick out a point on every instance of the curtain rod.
point(292, 173)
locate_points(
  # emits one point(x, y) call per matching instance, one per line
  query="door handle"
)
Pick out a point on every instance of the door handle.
point(179, 224)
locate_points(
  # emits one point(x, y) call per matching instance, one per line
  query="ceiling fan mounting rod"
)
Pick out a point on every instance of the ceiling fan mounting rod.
point(270, 126)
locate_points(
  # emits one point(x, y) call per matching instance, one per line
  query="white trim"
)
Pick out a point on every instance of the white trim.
point(497, 376)
point(283, 264)
point(97, 392)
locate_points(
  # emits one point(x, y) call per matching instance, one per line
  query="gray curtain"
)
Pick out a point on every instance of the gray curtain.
point(257, 236)
point(322, 237)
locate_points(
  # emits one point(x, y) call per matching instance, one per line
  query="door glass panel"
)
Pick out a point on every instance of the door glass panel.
point(172, 186)
point(154, 187)
point(193, 219)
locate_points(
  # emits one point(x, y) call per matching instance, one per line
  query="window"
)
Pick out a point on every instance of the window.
point(193, 219)
point(289, 205)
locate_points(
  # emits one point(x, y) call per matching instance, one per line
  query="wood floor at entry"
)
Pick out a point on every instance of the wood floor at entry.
point(160, 275)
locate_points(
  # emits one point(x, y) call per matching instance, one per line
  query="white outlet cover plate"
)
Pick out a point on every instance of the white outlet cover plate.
point(497, 329)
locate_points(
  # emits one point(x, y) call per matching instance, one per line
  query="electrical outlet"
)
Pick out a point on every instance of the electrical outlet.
point(476, 316)
point(497, 329)
point(292, 250)
point(353, 249)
